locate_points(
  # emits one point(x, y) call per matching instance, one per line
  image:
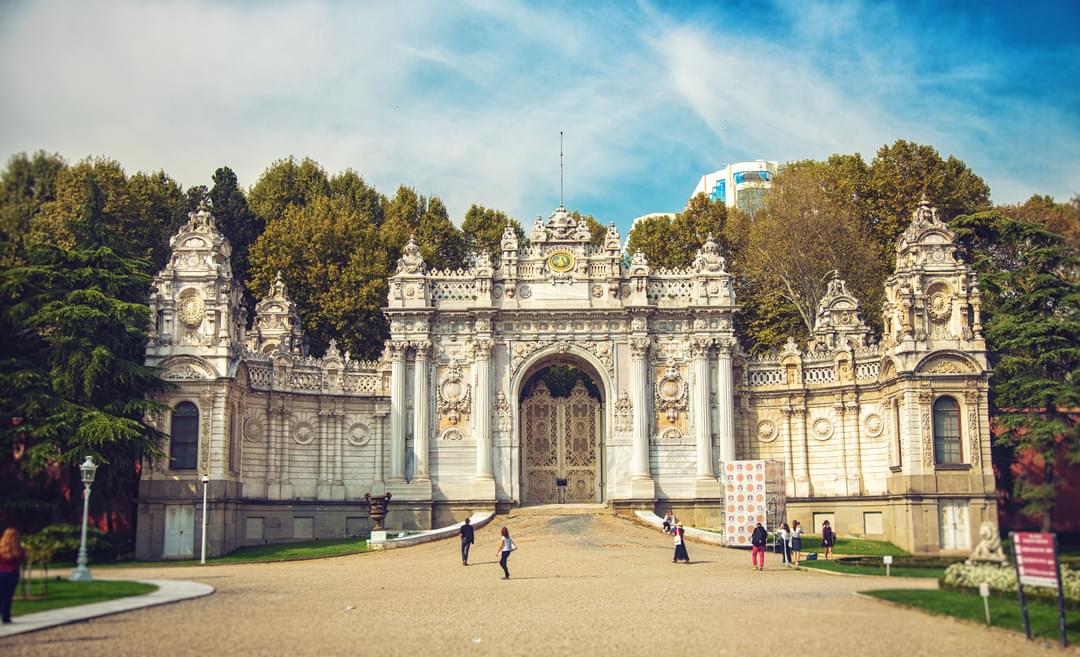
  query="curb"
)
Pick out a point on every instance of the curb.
point(168, 591)
point(477, 520)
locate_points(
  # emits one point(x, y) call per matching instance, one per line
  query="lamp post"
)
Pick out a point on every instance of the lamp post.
point(205, 485)
point(81, 572)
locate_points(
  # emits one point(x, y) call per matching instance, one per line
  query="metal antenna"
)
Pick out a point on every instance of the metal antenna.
point(560, 171)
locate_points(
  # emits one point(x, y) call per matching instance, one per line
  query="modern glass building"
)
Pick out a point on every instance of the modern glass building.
point(740, 185)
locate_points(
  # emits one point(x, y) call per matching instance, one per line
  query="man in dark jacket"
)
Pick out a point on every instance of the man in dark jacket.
point(757, 541)
point(467, 539)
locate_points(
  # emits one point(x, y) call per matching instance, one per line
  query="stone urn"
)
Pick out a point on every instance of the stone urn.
point(377, 505)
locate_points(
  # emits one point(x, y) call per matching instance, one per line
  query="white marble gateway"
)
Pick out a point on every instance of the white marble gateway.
point(876, 437)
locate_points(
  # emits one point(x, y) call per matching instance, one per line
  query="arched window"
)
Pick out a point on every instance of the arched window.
point(947, 432)
point(184, 441)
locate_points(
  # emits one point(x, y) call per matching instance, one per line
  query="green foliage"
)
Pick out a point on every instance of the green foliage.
point(26, 186)
point(1032, 318)
point(409, 214)
point(903, 172)
point(483, 228)
point(287, 183)
point(672, 242)
point(597, 230)
point(1060, 218)
point(336, 266)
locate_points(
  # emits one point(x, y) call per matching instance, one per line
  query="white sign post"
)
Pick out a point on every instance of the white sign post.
point(888, 563)
point(984, 591)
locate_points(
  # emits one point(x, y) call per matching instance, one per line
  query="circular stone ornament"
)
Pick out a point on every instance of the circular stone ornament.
point(192, 311)
point(766, 431)
point(823, 429)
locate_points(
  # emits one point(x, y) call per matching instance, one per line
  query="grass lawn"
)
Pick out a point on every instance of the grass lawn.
point(1004, 613)
point(63, 593)
point(854, 569)
point(257, 553)
point(851, 545)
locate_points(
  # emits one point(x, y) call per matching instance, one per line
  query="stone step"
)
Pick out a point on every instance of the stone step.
point(561, 510)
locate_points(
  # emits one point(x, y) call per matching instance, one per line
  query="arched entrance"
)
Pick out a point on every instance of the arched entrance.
point(562, 435)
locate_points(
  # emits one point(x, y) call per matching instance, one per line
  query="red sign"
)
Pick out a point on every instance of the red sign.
point(1035, 559)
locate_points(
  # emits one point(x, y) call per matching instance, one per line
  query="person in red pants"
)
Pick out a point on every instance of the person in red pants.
point(757, 551)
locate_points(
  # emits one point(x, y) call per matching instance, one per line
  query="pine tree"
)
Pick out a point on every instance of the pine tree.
point(1032, 301)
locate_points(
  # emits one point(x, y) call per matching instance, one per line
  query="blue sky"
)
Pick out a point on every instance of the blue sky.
point(466, 100)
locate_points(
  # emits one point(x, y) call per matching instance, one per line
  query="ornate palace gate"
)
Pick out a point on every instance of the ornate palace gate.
point(562, 447)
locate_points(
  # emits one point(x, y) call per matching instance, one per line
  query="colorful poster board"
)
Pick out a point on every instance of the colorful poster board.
point(1036, 563)
point(753, 493)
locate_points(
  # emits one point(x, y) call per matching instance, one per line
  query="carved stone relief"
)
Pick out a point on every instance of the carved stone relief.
point(454, 394)
point(503, 412)
point(358, 434)
point(671, 392)
point(822, 428)
point(766, 431)
point(928, 437)
point(624, 412)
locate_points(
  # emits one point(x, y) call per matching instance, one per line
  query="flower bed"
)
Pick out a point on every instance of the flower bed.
point(1002, 579)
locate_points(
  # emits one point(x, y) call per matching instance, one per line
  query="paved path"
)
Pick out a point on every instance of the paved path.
point(581, 585)
point(168, 591)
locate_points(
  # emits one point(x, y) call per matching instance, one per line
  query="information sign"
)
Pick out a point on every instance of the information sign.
point(1035, 560)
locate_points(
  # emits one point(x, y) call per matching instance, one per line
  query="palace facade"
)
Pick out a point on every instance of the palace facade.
point(887, 441)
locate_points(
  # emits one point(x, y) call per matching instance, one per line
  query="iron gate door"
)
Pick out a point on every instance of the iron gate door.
point(562, 447)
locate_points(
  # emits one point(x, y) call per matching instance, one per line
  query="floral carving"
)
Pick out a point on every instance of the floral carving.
point(766, 431)
point(453, 394)
point(503, 412)
point(822, 428)
point(671, 392)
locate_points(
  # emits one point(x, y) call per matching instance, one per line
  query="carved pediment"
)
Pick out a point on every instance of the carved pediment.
point(947, 365)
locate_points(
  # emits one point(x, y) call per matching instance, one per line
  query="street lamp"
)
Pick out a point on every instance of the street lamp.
point(81, 572)
point(205, 485)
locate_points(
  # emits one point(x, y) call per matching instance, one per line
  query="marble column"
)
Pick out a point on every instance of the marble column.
point(421, 408)
point(397, 412)
point(482, 404)
point(699, 363)
point(639, 391)
point(725, 397)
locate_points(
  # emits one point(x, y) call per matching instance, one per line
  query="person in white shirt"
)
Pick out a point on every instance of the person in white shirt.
point(783, 536)
point(796, 542)
point(506, 546)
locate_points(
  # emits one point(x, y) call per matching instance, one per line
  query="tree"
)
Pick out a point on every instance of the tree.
point(97, 182)
point(71, 359)
point(26, 185)
point(237, 223)
point(656, 235)
point(1032, 317)
point(597, 230)
point(287, 182)
point(157, 207)
point(409, 214)
point(902, 173)
point(335, 263)
point(1060, 218)
point(483, 229)
point(807, 230)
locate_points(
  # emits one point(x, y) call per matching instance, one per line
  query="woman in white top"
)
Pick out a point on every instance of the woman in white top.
point(783, 535)
point(506, 546)
point(796, 542)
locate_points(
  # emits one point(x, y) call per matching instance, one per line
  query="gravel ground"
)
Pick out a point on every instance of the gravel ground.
point(580, 585)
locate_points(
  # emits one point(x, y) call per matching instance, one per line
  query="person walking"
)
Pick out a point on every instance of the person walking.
point(796, 542)
point(680, 545)
point(11, 558)
point(783, 536)
point(506, 546)
point(468, 537)
point(828, 539)
point(757, 546)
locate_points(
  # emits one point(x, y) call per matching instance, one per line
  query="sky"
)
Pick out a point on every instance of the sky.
point(466, 100)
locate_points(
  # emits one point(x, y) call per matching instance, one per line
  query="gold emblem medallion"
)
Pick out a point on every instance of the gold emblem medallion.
point(560, 261)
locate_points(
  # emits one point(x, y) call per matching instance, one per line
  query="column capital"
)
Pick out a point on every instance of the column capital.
point(481, 348)
point(639, 346)
point(422, 349)
point(699, 347)
point(397, 348)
